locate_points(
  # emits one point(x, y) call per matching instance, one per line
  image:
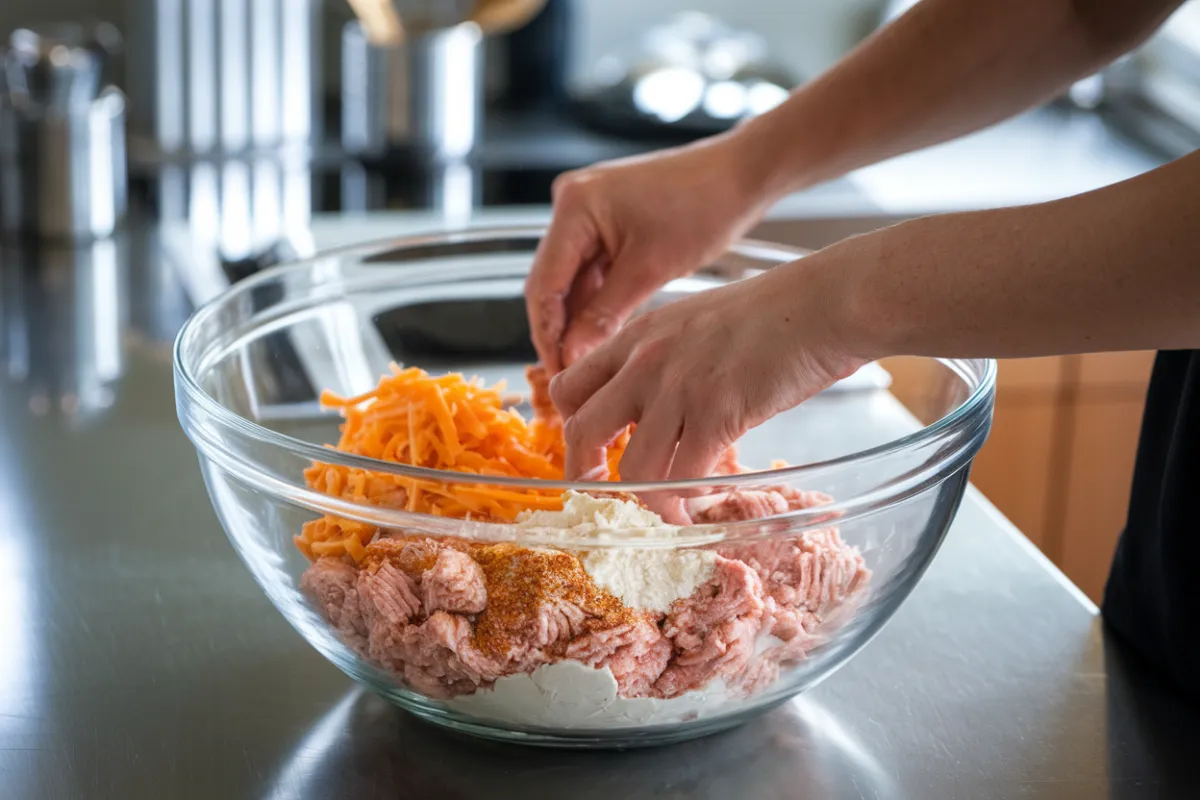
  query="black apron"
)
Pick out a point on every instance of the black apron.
point(1152, 601)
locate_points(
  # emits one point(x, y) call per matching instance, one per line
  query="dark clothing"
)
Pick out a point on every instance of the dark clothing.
point(1152, 600)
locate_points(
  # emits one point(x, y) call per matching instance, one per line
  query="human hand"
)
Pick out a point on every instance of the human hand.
point(622, 229)
point(695, 375)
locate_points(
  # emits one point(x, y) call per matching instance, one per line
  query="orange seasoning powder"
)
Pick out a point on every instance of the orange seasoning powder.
point(519, 581)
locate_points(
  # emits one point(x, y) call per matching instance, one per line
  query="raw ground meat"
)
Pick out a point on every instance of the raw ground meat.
point(417, 608)
point(333, 584)
point(714, 632)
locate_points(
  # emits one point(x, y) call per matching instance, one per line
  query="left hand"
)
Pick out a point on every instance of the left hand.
point(697, 374)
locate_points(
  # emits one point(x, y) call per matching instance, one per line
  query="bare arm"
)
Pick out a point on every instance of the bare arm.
point(946, 68)
point(1113, 269)
point(622, 229)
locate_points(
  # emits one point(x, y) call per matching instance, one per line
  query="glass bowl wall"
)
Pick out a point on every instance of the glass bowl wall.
point(250, 366)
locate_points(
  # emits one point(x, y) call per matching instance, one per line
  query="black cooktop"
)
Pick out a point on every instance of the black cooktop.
point(521, 154)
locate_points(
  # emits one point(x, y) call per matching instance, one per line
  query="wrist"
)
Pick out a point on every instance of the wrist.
point(754, 149)
point(838, 302)
point(783, 151)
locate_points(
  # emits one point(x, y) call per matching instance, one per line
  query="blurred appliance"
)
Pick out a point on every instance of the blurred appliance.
point(693, 76)
point(229, 212)
point(535, 59)
point(62, 134)
point(893, 9)
point(1087, 93)
point(211, 78)
point(1154, 94)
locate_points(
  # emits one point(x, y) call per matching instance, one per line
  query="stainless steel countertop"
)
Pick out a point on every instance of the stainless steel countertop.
point(138, 659)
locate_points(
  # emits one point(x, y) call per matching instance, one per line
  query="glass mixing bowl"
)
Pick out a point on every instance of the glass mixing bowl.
point(777, 603)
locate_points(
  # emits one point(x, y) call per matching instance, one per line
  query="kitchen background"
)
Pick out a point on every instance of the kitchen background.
point(808, 35)
point(233, 182)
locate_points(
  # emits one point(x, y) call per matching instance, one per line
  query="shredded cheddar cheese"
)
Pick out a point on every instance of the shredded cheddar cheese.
point(446, 423)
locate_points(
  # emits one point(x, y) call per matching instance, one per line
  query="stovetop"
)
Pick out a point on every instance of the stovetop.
point(521, 154)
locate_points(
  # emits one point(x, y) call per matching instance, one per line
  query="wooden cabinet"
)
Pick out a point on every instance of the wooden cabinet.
point(1015, 467)
point(1060, 457)
point(1103, 443)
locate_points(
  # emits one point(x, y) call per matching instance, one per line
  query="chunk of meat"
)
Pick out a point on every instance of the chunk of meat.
point(636, 653)
point(450, 617)
point(332, 584)
point(439, 659)
point(788, 623)
point(815, 570)
point(714, 631)
point(723, 652)
point(390, 602)
point(454, 583)
point(556, 622)
point(735, 590)
point(737, 505)
point(389, 596)
point(531, 638)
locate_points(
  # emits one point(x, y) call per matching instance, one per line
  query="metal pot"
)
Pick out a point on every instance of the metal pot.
point(422, 98)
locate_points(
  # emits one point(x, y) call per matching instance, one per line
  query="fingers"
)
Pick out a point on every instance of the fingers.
point(649, 455)
point(698, 453)
point(694, 454)
point(589, 430)
point(573, 387)
point(626, 286)
point(587, 282)
point(566, 247)
point(652, 447)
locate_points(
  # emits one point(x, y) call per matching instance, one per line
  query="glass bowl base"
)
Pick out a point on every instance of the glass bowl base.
point(614, 739)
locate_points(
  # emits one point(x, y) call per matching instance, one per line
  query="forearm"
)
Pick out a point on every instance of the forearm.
point(946, 68)
point(1113, 269)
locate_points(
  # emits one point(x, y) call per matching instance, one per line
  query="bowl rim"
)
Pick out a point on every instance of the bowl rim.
point(957, 420)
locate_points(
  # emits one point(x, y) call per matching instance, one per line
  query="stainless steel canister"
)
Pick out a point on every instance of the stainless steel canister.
point(62, 138)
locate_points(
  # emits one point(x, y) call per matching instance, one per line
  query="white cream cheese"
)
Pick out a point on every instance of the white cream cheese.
point(644, 578)
point(570, 694)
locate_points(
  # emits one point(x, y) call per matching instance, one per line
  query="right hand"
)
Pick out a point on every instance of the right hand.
point(622, 229)
point(695, 375)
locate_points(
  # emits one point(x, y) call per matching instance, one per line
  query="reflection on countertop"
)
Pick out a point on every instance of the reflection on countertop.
point(63, 311)
point(805, 746)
